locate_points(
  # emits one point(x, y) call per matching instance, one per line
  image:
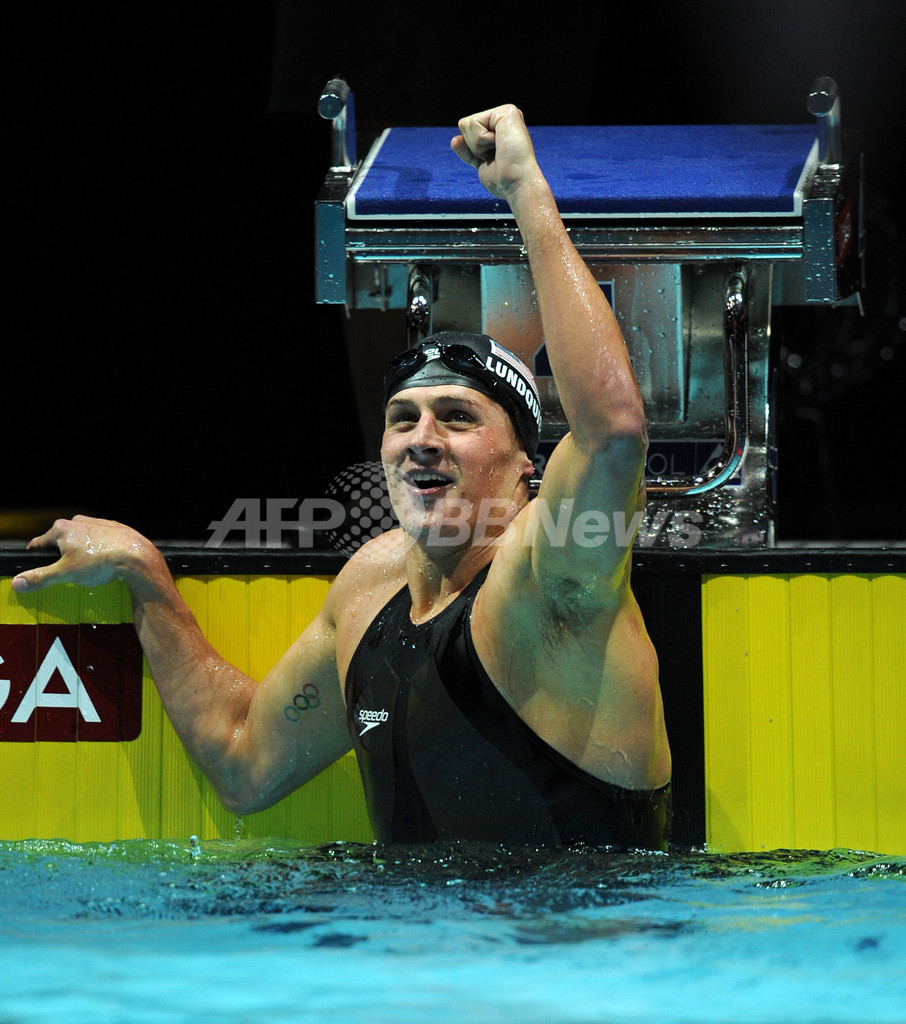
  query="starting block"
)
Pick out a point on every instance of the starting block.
point(695, 232)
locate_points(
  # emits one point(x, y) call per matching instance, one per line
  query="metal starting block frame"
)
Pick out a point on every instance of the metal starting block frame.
point(695, 233)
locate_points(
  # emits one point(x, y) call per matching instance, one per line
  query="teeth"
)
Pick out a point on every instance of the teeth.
point(427, 479)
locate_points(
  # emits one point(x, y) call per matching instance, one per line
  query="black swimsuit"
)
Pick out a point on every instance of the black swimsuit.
point(444, 756)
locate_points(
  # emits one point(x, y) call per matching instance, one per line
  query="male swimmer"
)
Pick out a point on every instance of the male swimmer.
point(495, 683)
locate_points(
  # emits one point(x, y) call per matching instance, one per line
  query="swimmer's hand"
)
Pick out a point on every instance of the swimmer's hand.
point(92, 552)
point(496, 143)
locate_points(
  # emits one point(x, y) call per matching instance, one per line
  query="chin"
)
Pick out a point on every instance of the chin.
point(434, 527)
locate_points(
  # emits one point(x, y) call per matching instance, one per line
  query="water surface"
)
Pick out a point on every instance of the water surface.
point(270, 931)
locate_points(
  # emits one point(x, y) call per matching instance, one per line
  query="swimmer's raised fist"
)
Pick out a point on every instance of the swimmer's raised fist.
point(496, 143)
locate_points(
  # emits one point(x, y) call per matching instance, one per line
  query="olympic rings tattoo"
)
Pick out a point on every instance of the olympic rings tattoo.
point(303, 703)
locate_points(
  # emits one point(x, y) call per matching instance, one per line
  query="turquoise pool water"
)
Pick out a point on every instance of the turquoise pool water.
point(253, 931)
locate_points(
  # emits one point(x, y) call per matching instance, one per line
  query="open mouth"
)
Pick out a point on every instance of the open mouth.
point(427, 481)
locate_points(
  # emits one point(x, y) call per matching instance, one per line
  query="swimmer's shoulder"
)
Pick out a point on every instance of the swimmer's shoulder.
point(373, 574)
point(371, 577)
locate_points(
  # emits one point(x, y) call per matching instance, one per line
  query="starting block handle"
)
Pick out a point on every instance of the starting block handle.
point(736, 413)
point(337, 104)
point(824, 104)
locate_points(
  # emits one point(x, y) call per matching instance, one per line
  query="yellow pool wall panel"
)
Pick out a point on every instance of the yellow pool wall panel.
point(149, 787)
point(805, 711)
point(804, 680)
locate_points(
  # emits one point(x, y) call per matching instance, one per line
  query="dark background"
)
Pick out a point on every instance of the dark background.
point(164, 354)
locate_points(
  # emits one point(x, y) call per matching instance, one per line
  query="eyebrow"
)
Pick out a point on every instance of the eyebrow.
point(464, 399)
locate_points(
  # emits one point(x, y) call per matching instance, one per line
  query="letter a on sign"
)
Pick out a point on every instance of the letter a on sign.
point(70, 683)
point(76, 696)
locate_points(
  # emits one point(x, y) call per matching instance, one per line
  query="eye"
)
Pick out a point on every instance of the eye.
point(400, 415)
point(458, 415)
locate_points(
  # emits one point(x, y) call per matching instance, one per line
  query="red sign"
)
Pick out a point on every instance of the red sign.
point(68, 683)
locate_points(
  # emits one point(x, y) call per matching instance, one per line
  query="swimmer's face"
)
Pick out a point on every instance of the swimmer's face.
point(452, 460)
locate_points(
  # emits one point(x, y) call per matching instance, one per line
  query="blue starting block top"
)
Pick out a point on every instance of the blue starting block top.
point(659, 171)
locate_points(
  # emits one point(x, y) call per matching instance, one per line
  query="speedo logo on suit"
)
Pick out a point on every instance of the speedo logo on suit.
point(371, 719)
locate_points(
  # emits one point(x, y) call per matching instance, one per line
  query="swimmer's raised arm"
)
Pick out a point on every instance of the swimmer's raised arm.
point(599, 463)
point(236, 729)
point(556, 624)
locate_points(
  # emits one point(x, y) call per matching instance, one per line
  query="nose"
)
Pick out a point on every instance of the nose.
point(424, 440)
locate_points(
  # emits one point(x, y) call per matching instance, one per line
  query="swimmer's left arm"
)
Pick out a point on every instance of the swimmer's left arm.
point(598, 465)
point(591, 364)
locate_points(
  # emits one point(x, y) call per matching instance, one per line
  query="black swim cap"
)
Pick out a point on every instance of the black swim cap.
point(474, 361)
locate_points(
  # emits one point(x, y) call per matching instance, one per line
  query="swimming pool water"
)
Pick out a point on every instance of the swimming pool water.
point(269, 931)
